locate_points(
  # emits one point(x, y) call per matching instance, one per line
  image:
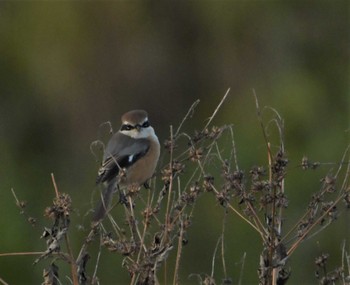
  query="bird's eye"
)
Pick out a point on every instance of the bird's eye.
point(126, 127)
point(145, 124)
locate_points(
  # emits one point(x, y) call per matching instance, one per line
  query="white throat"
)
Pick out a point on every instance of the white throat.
point(142, 134)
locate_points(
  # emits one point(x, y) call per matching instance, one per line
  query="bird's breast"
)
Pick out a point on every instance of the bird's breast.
point(143, 169)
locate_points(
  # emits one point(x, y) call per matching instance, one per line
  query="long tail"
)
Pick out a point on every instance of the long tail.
point(102, 207)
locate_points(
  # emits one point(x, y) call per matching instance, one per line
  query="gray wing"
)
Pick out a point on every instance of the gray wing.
point(121, 152)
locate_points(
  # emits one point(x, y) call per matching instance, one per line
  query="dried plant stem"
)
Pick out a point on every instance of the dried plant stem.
point(115, 226)
point(178, 255)
point(97, 261)
point(280, 126)
point(134, 278)
point(261, 121)
point(217, 108)
point(73, 264)
point(280, 212)
point(242, 267)
point(273, 217)
point(145, 227)
point(294, 227)
point(214, 255)
point(301, 238)
point(243, 218)
point(342, 162)
point(340, 197)
point(22, 253)
point(258, 226)
point(189, 114)
point(14, 195)
point(274, 276)
point(3, 282)
point(134, 225)
point(134, 228)
point(69, 249)
point(85, 245)
point(54, 185)
point(223, 243)
point(318, 231)
point(234, 151)
point(345, 259)
point(167, 212)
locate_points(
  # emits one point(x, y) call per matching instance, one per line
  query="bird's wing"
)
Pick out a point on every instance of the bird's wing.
point(121, 152)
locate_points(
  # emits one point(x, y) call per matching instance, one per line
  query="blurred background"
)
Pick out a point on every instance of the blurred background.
point(66, 67)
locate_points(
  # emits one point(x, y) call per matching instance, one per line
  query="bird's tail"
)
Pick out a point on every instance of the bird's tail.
point(102, 207)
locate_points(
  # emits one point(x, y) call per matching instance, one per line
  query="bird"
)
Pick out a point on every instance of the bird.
point(135, 150)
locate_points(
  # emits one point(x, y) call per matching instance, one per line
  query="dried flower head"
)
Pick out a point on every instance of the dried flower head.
point(347, 199)
point(321, 260)
point(307, 164)
point(257, 172)
point(170, 145)
point(195, 154)
point(61, 207)
point(215, 132)
point(208, 183)
point(329, 183)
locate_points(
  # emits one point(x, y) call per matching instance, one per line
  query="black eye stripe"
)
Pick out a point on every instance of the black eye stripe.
point(127, 127)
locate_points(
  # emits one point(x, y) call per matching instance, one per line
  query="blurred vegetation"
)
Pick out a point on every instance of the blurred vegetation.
point(67, 67)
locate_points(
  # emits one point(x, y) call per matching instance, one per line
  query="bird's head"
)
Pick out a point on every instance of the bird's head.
point(136, 125)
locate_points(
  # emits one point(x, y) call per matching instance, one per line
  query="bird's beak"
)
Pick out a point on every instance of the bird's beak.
point(138, 128)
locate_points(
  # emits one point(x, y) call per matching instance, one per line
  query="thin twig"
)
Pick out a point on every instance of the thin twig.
point(345, 259)
point(256, 227)
point(217, 108)
point(54, 184)
point(234, 151)
point(167, 212)
point(22, 253)
point(189, 114)
point(134, 221)
point(73, 264)
point(97, 260)
point(3, 282)
point(223, 243)
point(96, 143)
point(339, 198)
point(244, 218)
point(145, 227)
point(302, 237)
point(291, 230)
point(259, 115)
point(85, 245)
point(341, 164)
point(242, 267)
point(214, 255)
point(14, 195)
point(178, 255)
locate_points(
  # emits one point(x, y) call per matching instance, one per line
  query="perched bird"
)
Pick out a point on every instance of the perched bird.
point(134, 149)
